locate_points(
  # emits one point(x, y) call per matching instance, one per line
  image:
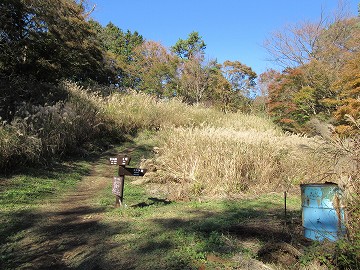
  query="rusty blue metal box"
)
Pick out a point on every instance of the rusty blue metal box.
point(322, 212)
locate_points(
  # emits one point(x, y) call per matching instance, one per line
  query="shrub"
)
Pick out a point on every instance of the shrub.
point(16, 148)
point(39, 133)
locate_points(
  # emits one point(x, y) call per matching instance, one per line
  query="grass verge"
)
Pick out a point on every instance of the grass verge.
point(220, 234)
point(22, 194)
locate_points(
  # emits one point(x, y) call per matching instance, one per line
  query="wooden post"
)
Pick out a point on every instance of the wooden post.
point(285, 207)
point(118, 190)
point(120, 196)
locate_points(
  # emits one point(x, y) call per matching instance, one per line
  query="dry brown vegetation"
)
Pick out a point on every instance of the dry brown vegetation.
point(222, 162)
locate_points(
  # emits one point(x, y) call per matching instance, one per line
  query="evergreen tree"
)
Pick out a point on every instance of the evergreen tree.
point(49, 40)
point(119, 47)
point(190, 47)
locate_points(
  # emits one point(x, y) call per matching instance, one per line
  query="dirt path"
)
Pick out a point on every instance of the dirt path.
point(69, 231)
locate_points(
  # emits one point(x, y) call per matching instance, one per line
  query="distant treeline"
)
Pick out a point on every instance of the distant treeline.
point(45, 42)
point(320, 81)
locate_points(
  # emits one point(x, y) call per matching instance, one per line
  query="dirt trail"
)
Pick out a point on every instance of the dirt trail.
point(69, 232)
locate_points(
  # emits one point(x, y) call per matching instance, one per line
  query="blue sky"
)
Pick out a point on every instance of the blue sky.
point(232, 29)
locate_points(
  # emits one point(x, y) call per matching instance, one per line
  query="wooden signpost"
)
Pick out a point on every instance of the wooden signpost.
point(118, 182)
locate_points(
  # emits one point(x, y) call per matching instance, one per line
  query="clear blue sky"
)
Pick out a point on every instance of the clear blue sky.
point(232, 29)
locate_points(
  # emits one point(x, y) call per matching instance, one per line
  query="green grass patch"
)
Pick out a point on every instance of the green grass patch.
point(36, 185)
point(22, 193)
point(160, 234)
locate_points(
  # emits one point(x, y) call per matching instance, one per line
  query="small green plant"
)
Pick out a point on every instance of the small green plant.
point(339, 255)
point(347, 255)
point(323, 253)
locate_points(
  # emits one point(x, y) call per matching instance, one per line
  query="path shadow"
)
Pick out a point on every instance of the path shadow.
point(76, 237)
point(58, 237)
point(211, 231)
point(153, 201)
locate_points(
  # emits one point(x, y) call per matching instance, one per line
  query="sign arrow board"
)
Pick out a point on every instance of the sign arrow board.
point(131, 171)
point(120, 160)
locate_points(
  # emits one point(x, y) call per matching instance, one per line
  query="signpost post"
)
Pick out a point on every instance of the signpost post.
point(118, 182)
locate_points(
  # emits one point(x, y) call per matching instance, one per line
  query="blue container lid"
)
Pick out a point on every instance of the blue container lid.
point(318, 184)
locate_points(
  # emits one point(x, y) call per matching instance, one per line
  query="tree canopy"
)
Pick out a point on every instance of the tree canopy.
point(321, 78)
point(44, 42)
point(49, 40)
point(190, 47)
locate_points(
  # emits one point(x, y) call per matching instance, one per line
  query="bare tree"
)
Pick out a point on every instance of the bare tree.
point(297, 44)
point(194, 79)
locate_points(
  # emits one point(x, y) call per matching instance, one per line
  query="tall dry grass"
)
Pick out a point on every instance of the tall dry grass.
point(213, 161)
point(203, 152)
point(136, 111)
point(39, 133)
point(347, 156)
point(230, 158)
point(16, 147)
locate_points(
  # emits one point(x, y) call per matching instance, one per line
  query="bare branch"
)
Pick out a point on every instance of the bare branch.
point(297, 44)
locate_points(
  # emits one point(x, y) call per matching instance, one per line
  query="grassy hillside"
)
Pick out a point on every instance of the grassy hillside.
point(199, 153)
